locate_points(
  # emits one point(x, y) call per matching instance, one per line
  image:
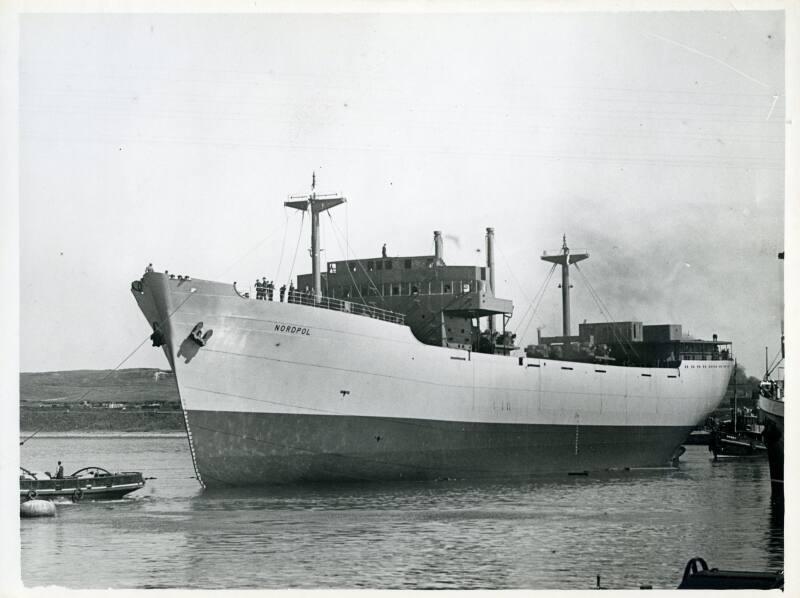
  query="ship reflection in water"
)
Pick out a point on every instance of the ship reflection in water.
point(631, 528)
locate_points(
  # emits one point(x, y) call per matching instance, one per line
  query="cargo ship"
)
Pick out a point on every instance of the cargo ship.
point(402, 368)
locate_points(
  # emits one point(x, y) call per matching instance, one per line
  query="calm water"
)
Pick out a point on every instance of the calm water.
point(632, 529)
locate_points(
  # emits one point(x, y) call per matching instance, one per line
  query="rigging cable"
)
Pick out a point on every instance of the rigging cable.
point(538, 299)
point(299, 237)
point(139, 346)
point(248, 252)
point(774, 363)
point(347, 263)
point(533, 301)
point(606, 314)
point(283, 243)
point(31, 436)
point(603, 311)
point(360, 265)
point(503, 255)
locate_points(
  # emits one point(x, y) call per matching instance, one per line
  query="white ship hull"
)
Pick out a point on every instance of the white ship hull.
point(284, 393)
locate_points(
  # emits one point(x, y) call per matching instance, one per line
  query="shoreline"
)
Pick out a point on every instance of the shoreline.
point(103, 434)
point(74, 419)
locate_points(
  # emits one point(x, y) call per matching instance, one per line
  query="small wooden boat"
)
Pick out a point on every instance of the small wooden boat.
point(87, 483)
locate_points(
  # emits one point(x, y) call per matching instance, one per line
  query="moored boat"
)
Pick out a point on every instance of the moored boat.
point(739, 436)
point(88, 483)
point(724, 444)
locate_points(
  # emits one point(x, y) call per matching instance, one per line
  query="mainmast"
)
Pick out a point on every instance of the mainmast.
point(316, 203)
point(565, 258)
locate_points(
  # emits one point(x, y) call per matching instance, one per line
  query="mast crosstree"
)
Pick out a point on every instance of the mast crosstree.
point(315, 203)
point(565, 258)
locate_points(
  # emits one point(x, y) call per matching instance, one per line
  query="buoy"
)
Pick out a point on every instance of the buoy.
point(37, 508)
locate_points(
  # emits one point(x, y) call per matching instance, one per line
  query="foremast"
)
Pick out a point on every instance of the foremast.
point(315, 203)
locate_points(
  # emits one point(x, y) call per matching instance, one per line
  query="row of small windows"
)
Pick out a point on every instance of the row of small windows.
point(384, 265)
point(374, 265)
point(408, 288)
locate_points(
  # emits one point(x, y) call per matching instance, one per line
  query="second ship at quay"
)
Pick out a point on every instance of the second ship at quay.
point(389, 376)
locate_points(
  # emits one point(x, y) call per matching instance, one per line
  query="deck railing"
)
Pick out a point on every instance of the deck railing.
point(359, 309)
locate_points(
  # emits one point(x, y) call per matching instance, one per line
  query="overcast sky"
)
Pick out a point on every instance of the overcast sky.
point(653, 140)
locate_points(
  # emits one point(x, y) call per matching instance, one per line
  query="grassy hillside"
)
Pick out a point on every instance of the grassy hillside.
point(81, 419)
point(96, 386)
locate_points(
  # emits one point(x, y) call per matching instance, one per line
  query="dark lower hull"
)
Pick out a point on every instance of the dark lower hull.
point(247, 449)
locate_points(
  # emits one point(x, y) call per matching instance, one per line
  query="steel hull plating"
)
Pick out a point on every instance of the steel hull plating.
point(243, 449)
point(284, 393)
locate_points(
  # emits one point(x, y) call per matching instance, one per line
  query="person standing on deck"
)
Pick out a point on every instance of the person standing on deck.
point(383, 250)
point(282, 292)
point(60, 471)
point(270, 290)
